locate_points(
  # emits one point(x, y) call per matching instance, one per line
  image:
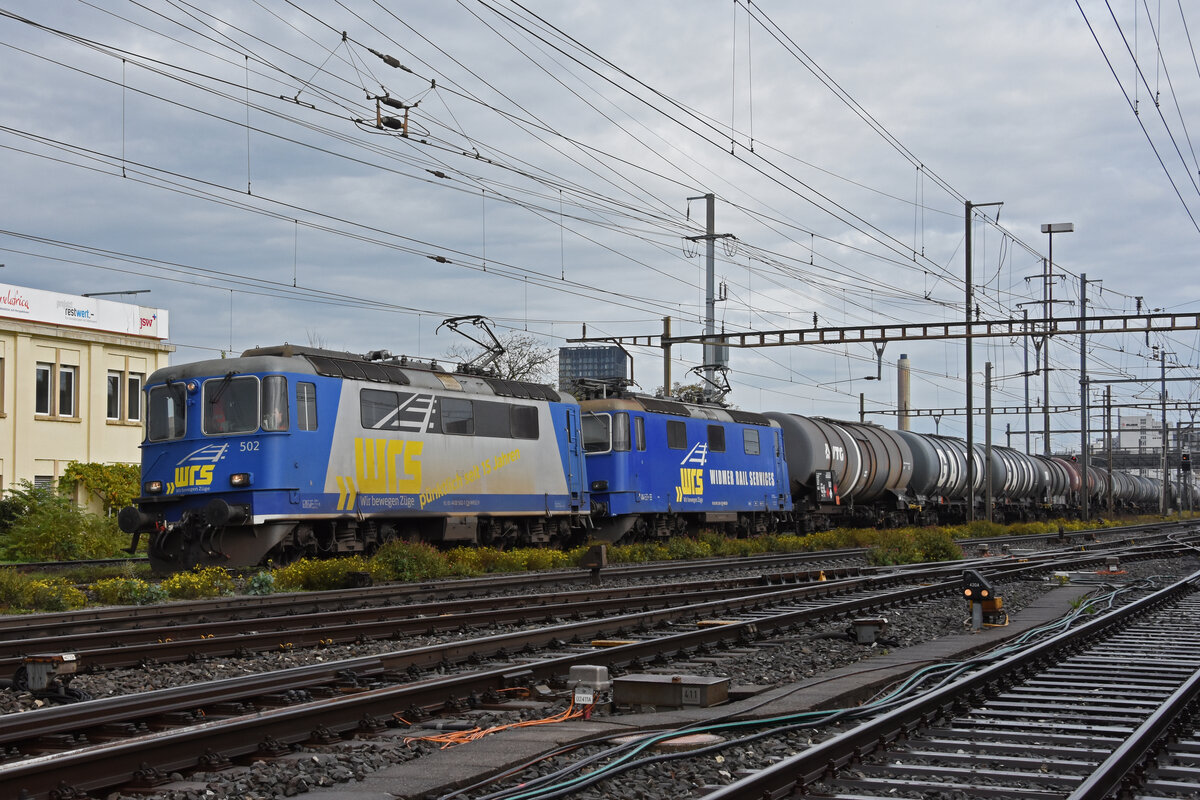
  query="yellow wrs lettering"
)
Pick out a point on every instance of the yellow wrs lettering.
point(691, 481)
point(193, 475)
point(388, 465)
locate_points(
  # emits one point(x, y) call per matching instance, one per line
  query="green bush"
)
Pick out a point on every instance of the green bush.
point(12, 588)
point(637, 553)
point(115, 484)
point(207, 582)
point(408, 561)
point(128, 592)
point(52, 594)
point(893, 547)
point(319, 575)
point(936, 544)
point(50, 527)
point(261, 583)
point(683, 548)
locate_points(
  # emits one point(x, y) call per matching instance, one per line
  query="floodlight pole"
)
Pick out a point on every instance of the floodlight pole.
point(1083, 397)
point(1049, 228)
point(970, 207)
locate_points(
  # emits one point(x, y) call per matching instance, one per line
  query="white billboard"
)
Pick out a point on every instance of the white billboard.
point(90, 313)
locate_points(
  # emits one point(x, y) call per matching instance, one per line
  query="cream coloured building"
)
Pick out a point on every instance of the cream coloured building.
point(72, 370)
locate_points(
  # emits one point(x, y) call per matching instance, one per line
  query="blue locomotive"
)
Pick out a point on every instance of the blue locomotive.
point(290, 452)
point(660, 468)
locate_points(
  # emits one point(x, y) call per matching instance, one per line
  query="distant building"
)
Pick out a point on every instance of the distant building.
point(71, 375)
point(595, 363)
point(1140, 433)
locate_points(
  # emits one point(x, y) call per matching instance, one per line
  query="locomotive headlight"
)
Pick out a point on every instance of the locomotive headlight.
point(599, 486)
point(239, 479)
point(152, 487)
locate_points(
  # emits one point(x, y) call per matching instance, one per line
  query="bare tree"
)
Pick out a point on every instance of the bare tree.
point(315, 339)
point(525, 358)
point(687, 392)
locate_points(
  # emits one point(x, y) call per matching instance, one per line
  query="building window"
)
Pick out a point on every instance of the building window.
point(123, 396)
point(134, 382)
point(43, 481)
point(42, 400)
point(66, 391)
point(55, 390)
point(113, 405)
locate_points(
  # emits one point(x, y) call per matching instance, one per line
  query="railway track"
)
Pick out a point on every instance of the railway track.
point(96, 744)
point(123, 637)
point(103, 743)
point(1075, 717)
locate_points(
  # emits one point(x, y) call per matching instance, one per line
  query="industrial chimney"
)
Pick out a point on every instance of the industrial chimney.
point(903, 394)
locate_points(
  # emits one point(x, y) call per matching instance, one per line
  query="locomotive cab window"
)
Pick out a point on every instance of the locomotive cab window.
point(306, 406)
point(620, 432)
point(750, 441)
point(716, 439)
point(676, 435)
point(230, 405)
point(274, 403)
point(166, 416)
point(596, 436)
point(639, 433)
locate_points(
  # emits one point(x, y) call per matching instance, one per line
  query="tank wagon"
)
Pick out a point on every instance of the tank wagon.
point(289, 452)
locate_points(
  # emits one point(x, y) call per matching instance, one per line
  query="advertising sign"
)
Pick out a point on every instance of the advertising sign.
point(90, 313)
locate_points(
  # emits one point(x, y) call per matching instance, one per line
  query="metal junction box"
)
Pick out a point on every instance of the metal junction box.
point(670, 690)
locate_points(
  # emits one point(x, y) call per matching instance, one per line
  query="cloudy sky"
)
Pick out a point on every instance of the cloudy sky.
point(228, 157)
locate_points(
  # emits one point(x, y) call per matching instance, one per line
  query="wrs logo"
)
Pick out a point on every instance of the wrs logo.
point(194, 472)
point(691, 479)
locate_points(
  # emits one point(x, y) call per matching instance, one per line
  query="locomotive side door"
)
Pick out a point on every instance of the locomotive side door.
point(575, 465)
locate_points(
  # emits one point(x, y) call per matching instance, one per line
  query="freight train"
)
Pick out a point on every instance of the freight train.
point(289, 452)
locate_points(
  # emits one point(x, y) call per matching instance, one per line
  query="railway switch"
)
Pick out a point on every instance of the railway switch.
point(985, 604)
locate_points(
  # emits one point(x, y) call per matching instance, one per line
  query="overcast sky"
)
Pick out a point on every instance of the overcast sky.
point(226, 156)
